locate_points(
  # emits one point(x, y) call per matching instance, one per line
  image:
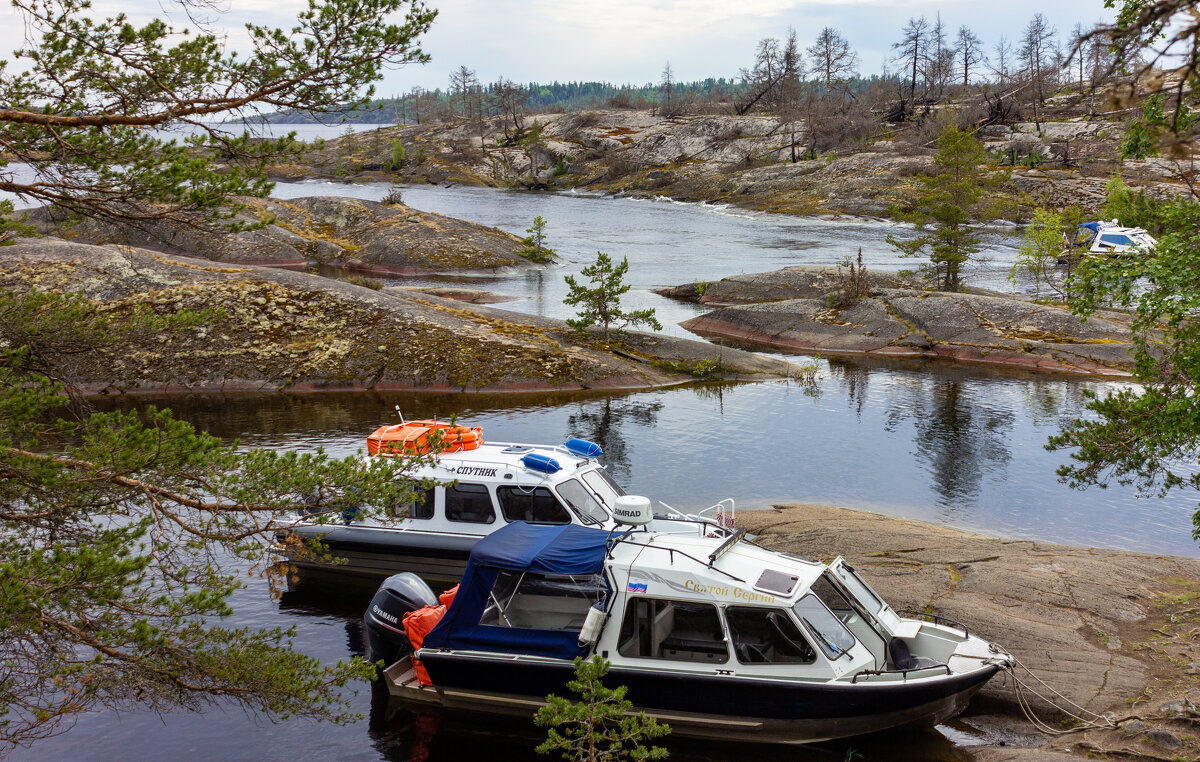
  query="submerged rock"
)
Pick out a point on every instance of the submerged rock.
point(797, 309)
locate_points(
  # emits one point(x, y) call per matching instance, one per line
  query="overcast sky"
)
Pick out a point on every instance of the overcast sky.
point(629, 41)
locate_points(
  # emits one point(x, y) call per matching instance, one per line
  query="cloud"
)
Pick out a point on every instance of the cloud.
point(624, 40)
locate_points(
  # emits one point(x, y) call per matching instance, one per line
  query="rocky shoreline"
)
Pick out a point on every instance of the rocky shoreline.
point(741, 160)
point(352, 234)
point(803, 309)
point(271, 329)
point(1113, 631)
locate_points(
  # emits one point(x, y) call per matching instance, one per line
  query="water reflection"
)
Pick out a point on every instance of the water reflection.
point(400, 732)
point(607, 422)
point(854, 384)
point(930, 441)
point(960, 440)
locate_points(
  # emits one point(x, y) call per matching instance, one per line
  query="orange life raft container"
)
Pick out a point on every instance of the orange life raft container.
point(414, 438)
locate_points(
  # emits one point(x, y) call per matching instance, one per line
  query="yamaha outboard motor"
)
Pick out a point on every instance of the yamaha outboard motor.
point(384, 620)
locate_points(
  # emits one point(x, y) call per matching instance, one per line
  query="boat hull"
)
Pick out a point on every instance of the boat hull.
point(726, 707)
point(438, 558)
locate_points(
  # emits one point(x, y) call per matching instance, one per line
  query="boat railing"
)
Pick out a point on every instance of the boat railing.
point(942, 620)
point(628, 538)
point(560, 449)
point(902, 673)
point(722, 513)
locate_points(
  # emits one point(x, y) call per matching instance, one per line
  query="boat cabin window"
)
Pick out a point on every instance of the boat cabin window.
point(780, 583)
point(529, 601)
point(826, 628)
point(832, 598)
point(469, 503)
point(767, 636)
point(1084, 236)
point(576, 496)
point(420, 507)
point(678, 630)
point(535, 506)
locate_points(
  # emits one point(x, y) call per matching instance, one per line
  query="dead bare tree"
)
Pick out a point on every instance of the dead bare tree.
point(791, 90)
point(508, 98)
point(764, 78)
point(666, 84)
point(970, 52)
point(832, 58)
point(1038, 47)
point(462, 82)
point(1001, 61)
point(939, 65)
point(911, 50)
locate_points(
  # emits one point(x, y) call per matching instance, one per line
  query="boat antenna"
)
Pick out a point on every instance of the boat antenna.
point(400, 414)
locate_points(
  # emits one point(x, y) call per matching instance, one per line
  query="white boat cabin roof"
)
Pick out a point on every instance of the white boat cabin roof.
point(678, 566)
point(1105, 236)
point(505, 462)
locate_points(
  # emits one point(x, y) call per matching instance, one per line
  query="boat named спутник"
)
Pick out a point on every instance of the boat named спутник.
point(472, 488)
point(716, 636)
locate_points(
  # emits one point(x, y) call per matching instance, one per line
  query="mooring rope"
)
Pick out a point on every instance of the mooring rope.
point(1022, 690)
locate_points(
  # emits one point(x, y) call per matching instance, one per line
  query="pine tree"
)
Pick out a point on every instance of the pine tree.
point(117, 532)
point(601, 302)
point(943, 206)
point(84, 106)
point(598, 727)
point(535, 244)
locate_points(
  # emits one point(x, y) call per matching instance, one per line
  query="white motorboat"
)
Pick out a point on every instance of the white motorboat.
point(716, 636)
point(473, 489)
point(1105, 238)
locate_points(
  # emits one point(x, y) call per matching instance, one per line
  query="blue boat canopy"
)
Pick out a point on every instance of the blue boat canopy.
point(562, 550)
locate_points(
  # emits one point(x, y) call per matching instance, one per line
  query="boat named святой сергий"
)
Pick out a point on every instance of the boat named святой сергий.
point(716, 636)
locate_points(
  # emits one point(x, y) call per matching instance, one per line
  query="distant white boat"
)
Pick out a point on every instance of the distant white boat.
point(1106, 238)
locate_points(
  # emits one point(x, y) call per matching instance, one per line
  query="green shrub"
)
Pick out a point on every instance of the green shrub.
point(599, 725)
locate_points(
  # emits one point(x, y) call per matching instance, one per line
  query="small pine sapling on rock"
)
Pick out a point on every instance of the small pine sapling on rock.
point(600, 302)
point(535, 247)
point(599, 727)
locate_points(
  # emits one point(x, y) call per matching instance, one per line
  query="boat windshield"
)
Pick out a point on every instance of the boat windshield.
point(1115, 239)
point(826, 628)
point(602, 484)
point(582, 502)
point(859, 589)
point(1084, 236)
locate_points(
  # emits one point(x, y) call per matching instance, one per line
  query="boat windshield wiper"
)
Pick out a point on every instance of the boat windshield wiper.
point(821, 637)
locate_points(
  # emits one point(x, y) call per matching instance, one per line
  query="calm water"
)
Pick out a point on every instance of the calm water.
point(957, 446)
point(667, 242)
point(929, 442)
point(932, 442)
